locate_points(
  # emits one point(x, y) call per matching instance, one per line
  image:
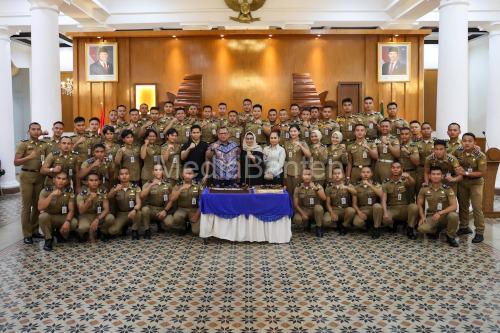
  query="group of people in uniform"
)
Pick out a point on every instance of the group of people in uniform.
point(358, 171)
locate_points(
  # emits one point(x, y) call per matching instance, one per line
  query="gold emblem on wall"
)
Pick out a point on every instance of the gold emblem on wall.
point(245, 8)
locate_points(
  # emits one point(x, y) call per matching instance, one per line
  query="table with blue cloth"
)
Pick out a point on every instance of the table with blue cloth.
point(246, 217)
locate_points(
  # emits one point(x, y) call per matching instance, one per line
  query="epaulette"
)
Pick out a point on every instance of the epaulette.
point(133, 185)
point(46, 138)
point(476, 152)
point(84, 191)
point(90, 160)
point(49, 188)
point(461, 148)
point(387, 180)
point(445, 186)
point(449, 157)
point(68, 189)
point(102, 191)
point(56, 152)
point(75, 152)
point(25, 140)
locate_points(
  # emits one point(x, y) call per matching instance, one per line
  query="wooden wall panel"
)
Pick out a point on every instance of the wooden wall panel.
point(247, 66)
point(430, 93)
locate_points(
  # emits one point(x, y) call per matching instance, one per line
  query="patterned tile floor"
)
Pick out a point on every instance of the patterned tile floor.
point(178, 284)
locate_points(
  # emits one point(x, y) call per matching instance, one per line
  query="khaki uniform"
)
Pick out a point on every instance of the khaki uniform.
point(369, 203)
point(31, 183)
point(318, 162)
point(208, 130)
point(327, 127)
point(156, 201)
point(347, 126)
point(340, 200)
point(371, 121)
point(284, 135)
point(425, 148)
point(336, 156)
point(67, 162)
point(396, 125)
point(159, 126)
point(385, 158)
point(470, 190)
point(407, 164)
point(124, 201)
point(305, 132)
point(452, 147)
point(172, 163)
point(183, 130)
point(436, 200)
point(360, 158)
point(85, 220)
point(104, 170)
point(136, 131)
point(120, 126)
point(84, 149)
point(311, 204)
point(52, 143)
point(448, 164)
point(257, 128)
point(54, 216)
point(235, 133)
point(293, 165)
point(153, 157)
point(187, 207)
point(131, 159)
point(400, 202)
point(295, 121)
point(94, 138)
point(111, 150)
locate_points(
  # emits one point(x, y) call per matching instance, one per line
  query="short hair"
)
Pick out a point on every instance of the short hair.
point(469, 134)
point(314, 108)
point(121, 106)
point(247, 100)
point(154, 108)
point(207, 107)
point(102, 49)
point(107, 129)
point(58, 122)
point(328, 106)
point(456, 124)
point(396, 161)
point(439, 142)
point(272, 110)
point(98, 145)
point(435, 168)
point(65, 137)
point(95, 119)
point(414, 122)
point(393, 49)
point(404, 129)
point(294, 104)
point(195, 126)
point(112, 110)
point(93, 173)
point(222, 127)
point(385, 120)
point(305, 109)
point(78, 119)
point(367, 98)
point(391, 104)
point(346, 100)
point(171, 131)
point(294, 126)
point(426, 123)
point(257, 106)
point(149, 131)
point(168, 102)
point(233, 111)
point(144, 104)
point(133, 110)
point(126, 133)
point(222, 103)
point(359, 125)
point(179, 109)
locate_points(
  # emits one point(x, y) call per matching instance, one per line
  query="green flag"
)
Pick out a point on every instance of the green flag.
point(382, 108)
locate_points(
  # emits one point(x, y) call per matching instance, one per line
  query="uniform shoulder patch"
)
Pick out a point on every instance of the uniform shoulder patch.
point(49, 188)
point(387, 180)
point(25, 140)
point(445, 186)
point(56, 152)
point(84, 192)
point(90, 160)
point(68, 190)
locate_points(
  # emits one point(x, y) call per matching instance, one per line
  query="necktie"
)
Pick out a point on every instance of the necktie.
point(391, 69)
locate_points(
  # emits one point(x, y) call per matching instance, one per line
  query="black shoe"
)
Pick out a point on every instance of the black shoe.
point(147, 234)
point(38, 235)
point(433, 236)
point(135, 235)
point(319, 231)
point(28, 240)
point(48, 245)
point(464, 231)
point(411, 234)
point(375, 233)
point(59, 237)
point(342, 230)
point(452, 241)
point(478, 238)
point(103, 237)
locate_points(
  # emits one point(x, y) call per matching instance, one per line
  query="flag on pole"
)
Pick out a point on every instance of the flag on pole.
point(382, 108)
point(102, 119)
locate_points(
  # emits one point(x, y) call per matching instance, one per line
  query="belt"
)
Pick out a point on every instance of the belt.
point(386, 161)
point(28, 170)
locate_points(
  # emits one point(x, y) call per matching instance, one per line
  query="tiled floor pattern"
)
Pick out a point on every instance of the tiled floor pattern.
point(178, 284)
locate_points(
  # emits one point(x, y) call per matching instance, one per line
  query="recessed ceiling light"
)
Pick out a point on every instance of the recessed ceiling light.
point(174, 36)
point(221, 36)
point(99, 37)
point(318, 35)
point(396, 35)
point(270, 36)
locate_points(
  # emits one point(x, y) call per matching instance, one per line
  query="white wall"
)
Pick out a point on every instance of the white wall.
point(478, 80)
point(21, 56)
point(431, 56)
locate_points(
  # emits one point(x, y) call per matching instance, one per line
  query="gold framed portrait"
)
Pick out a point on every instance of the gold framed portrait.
point(101, 62)
point(394, 61)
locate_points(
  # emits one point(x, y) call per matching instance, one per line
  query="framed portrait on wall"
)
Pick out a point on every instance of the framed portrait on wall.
point(101, 62)
point(393, 61)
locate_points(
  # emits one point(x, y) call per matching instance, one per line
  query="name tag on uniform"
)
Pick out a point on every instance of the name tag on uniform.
point(384, 150)
point(64, 210)
point(306, 134)
point(89, 151)
point(187, 134)
point(162, 135)
point(349, 128)
point(330, 161)
point(131, 203)
point(343, 201)
point(174, 160)
point(99, 209)
point(311, 201)
point(155, 158)
point(448, 174)
point(165, 197)
point(237, 135)
point(259, 131)
point(400, 196)
point(193, 201)
point(326, 131)
point(132, 159)
point(287, 135)
point(370, 125)
point(398, 131)
point(469, 169)
point(214, 132)
point(365, 154)
point(42, 158)
point(110, 157)
point(370, 201)
point(290, 154)
point(440, 206)
point(70, 172)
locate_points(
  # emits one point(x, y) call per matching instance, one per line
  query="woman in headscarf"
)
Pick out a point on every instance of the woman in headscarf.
point(252, 161)
point(337, 154)
point(319, 158)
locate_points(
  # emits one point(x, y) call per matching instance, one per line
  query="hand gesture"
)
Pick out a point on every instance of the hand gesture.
point(57, 169)
point(33, 155)
point(65, 229)
point(384, 140)
point(96, 163)
point(56, 192)
point(362, 216)
point(131, 214)
point(156, 181)
point(436, 217)
point(94, 225)
point(421, 221)
point(405, 175)
point(146, 142)
point(192, 145)
point(161, 215)
point(118, 187)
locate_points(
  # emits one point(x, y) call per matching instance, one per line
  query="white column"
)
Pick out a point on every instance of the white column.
point(8, 181)
point(453, 66)
point(493, 109)
point(45, 68)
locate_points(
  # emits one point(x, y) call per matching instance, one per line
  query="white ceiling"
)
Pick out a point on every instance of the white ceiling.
point(88, 15)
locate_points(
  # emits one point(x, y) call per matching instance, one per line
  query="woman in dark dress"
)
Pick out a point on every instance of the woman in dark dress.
point(252, 161)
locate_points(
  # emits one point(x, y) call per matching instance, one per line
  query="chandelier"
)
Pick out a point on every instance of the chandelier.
point(67, 87)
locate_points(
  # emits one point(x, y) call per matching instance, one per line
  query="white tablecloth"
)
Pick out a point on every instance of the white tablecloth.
point(243, 229)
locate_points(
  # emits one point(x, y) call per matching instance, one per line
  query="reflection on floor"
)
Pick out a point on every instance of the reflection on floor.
point(177, 284)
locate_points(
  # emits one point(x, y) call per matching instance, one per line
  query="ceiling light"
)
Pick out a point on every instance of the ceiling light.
point(174, 36)
point(318, 35)
point(99, 37)
point(270, 36)
point(396, 35)
point(221, 36)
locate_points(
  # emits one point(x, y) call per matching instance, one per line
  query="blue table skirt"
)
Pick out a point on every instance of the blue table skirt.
point(266, 207)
